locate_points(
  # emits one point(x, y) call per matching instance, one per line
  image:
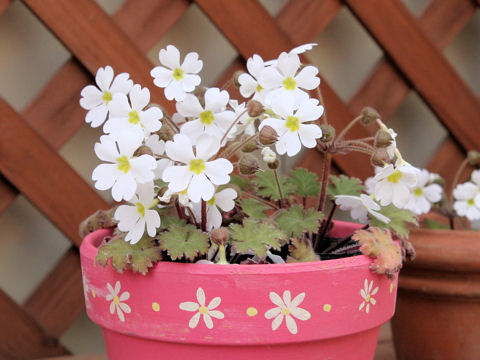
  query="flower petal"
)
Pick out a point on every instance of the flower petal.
point(277, 322)
point(97, 115)
point(300, 314)
point(201, 296)
point(180, 149)
point(170, 57)
point(216, 314)
point(177, 177)
point(189, 306)
point(200, 187)
point(218, 170)
point(270, 314)
point(104, 77)
point(208, 321)
point(192, 324)
point(214, 303)
point(291, 324)
point(276, 299)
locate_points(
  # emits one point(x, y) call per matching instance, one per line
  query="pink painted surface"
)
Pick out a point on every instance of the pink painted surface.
point(306, 310)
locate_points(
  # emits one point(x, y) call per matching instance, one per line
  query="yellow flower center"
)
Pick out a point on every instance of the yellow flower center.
point(206, 117)
point(395, 176)
point(259, 88)
point(211, 202)
point(116, 300)
point(418, 192)
point(133, 117)
point(107, 97)
point(367, 298)
point(197, 166)
point(123, 164)
point(292, 123)
point(471, 202)
point(178, 74)
point(140, 209)
point(285, 311)
point(203, 310)
point(289, 83)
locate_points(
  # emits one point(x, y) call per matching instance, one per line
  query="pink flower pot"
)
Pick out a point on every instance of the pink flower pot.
point(329, 309)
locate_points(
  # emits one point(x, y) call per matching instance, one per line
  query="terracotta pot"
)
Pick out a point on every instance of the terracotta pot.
point(438, 308)
point(202, 311)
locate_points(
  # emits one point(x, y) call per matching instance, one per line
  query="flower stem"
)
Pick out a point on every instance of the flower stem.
point(204, 216)
point(232, 124)
point(234, 150)
point(192, 216)
point(171, 124)
point(324, 228)
point(348, 127)
point(327, 161)
point(263, 201)
point(279, 188)
point(180, 213)
point(320, 98)
point(222, 255)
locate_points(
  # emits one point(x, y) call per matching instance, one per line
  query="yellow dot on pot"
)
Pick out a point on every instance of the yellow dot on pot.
point(251, 311)
point(156, 306)
point(391, 288)
point(93, 293)
point(327, 307)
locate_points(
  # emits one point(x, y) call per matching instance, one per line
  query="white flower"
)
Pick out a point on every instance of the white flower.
point(467, 202)
point(124, 116)
point(269, 156)
point(287, 309)
point(96, 101)
point(423, 195)
point(117, 301)
point(291, 130)
point(212, 120)
point(175, 78)
point(134, 218)
point(394, 185)
point(249, 81)
point(207, 311)
point(124, 170)
point(197, 173)
point(158, 148)
point(367, 294)
point(360, 206)
point(245, 124)
point(224, 199)
point(283, 80)
point(302, 48)
point(370, 185)
point(475, 177)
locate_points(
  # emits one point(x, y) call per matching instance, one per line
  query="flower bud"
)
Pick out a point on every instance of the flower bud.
point(249, 146)
point(248, 164)
point(143, 150)
point(166, 196)
point(274, 165)
point(474, 158)
point(219, 236)
point(328, 133)
point(269, 156)
point(255, 108)
point(383, 139)
point(236, 76)
point(368, 116)
point(380, 158)
point(267, 135)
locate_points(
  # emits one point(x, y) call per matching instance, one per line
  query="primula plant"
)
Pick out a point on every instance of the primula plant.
point(205, 184)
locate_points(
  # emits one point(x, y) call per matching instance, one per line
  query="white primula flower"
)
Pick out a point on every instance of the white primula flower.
point(245, 124)
point(213, 119)
point(225, 200)
point(269, 156)
point(124, 170)
point(423, 195)
point(200, 309)
point(287, 309)
point(134, 218)
point(182, 198)
point(360, 207)
point(158, 148)
point(249, 81)
point(117, 301)
point(366, 293)
point(197, 175)
point(96, 100)
point(467, 202)
point(283, 80)
point(475, 178)
point(175, 78)
point(291, 130)
point(394, 185)
point(124, 116)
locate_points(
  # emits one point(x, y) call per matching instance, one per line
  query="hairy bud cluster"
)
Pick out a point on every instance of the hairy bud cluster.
point(255, 108)
point(368, 116)
point(219, 236)
point(328, 133)
point(474, 158)
point(248, 164)
point(267, 135)
point(383, 139)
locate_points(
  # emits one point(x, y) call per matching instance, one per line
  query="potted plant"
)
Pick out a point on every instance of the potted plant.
point(438, 309)
point(245, 264)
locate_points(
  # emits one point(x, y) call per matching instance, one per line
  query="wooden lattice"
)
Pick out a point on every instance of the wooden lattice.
point(30, 164)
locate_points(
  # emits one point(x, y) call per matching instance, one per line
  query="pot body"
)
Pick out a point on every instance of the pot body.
point(318, 310)
point(438, 308)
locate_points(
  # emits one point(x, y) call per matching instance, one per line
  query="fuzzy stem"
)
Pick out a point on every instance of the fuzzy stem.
point(320, 98)
point(327, 161)
point(234, 150)
point(232, 124)
point(348, 127)
point(355, 148)
point(279, 188)
point(180, 213)
point(204, 216)
point(222, 255)
point(360, 144)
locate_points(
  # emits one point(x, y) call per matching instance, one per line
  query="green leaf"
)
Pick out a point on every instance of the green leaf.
point(305, 181)
point(296, 220)
point(253, 208)
point(301, 251)
point(169, 221)
point(241, 182)
point(399, 220)
point(256, 236)
point(184, 242)
point(101, 219)
point(138, 257)
point(160, 183)
point(267, 186)
point(344, 185)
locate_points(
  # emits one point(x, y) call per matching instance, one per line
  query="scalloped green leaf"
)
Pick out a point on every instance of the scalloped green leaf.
point(101, 219)
point(296, 220)
point(400, 219)
point(241, 182)
point(138, 257)
point(344, 185)
point(184, 242)
point(267, 186)
point(253, 208)
point(301, 251)
point(256, 236)
point(306, 182)
point(168, 221)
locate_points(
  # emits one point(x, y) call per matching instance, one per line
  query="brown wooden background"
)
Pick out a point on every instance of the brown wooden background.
point(30, 139)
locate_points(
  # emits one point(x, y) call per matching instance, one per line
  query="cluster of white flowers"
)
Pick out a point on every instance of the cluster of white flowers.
point(467, 197)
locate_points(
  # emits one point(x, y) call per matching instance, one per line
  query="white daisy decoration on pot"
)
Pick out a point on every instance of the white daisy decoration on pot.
point(288, 309)
point(117, 301)
point(201, 310)
point(367, 294)
point(360, 207)
point(96, 99)
point(175, 78)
